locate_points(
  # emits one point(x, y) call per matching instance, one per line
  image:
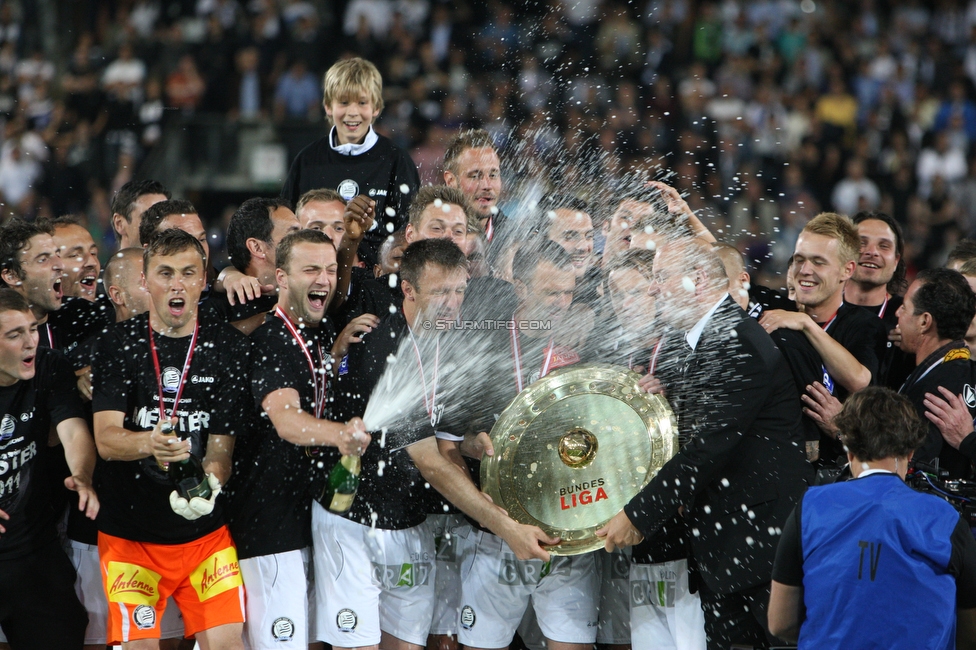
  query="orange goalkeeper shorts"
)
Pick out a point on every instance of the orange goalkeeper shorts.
point(203, 577)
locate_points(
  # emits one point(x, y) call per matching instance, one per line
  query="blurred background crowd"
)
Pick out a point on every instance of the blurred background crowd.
point(764, 111)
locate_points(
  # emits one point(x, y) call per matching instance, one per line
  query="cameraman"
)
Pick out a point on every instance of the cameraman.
point(871, 562)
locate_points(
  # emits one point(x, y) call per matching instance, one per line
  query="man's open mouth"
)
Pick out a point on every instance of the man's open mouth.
point(317, 299)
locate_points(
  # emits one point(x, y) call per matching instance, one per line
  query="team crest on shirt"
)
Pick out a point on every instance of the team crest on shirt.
point(170, 379)
point(467, 617)
point(346, 620)
point(283, 629)
point(348, 189)
point(969, 394)
point(7, 426)
point(144, 617)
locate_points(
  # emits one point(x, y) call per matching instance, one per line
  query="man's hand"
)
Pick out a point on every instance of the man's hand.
point(167, 447)
point(197, 506)
point(525, 541)
point(774, 319)
point(950, 415)
point(353, 438)
point(358, 218)
point(242, 288)
point(84, 382)
point(676, 204)
point(87, 499)
point(353, 333)
point(822, 407)
point(477, 447)
point(651, 384)
point(619, 533)
point(5, 517)
point(895, 336)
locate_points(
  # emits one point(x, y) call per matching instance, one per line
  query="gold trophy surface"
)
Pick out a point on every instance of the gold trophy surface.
point(574, 448)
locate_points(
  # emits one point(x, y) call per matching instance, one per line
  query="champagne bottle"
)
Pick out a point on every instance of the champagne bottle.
point(340, 490)
point(188, 475)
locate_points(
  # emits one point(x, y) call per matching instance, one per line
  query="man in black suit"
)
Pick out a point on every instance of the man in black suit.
point(741, 467)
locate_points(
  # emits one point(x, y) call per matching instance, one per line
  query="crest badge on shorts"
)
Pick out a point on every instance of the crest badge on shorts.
point(346, 620)
point(467, 617)
point(144, 617)
point(283, 629)
point(348, 189)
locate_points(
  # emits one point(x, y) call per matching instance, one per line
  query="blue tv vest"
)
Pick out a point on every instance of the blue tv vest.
point(875, 558)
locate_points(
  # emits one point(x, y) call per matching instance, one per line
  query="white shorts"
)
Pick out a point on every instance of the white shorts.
point(664, 615)
point(91, 593)
point(447, 578)
point(614, 597)
point(276, 601)
point(496, 589)
point(368, 580)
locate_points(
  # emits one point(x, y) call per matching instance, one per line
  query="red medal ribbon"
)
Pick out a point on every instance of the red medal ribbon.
point(183, 375)
point(517, 356)
point(428, 402)
point(652, 362)
point(319, 380)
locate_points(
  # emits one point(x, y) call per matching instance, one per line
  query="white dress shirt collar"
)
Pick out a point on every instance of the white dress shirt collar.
point(695, 332)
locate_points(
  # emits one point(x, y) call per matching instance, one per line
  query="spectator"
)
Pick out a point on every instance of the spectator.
point(184, 85)
point(856, 192)
point(297, 94)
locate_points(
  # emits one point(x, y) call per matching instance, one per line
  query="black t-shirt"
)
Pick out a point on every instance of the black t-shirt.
point(28, 411)
point(951, 367)
point(378, 173)
point(762, 298)
point(493, 386)
point(77, 324)
point(135, 494)
point(862, 334)
point(397, 496)
point(488, 298)
point(895, 365)
point(271, 490)
point(368, 295)
point(217, 307)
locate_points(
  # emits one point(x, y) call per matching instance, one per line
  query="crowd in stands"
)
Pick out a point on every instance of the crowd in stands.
point(771, 109)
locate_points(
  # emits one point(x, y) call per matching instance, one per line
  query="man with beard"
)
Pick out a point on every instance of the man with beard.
point(270, 514)
point(471, 165)
point(168, 367)
point(878, 279)
point(31, 266)
point(741, 467)
point(564, 592)
point(938, 309)
point(385, 527)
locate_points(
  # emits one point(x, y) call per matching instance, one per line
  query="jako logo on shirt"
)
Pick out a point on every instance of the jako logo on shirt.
point(197, 379)
point(170, 379)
